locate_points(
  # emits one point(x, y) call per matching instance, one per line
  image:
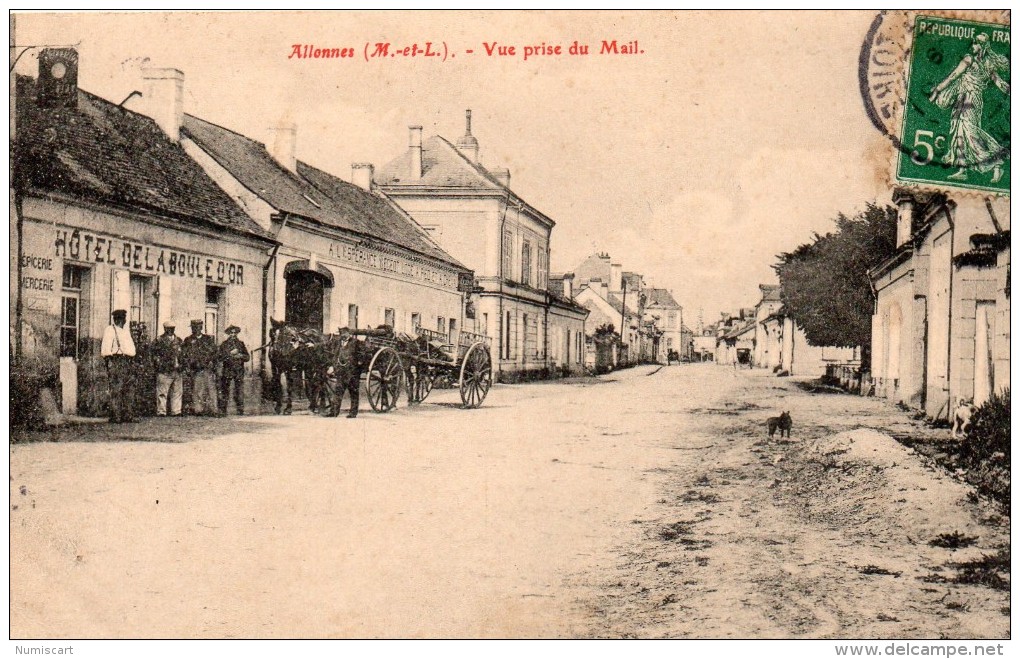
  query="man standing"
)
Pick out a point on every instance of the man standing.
point(232, 355)
point(118, 350)
point(348, 364)
point(199, 354)
point(166, 357)
point(145, 378)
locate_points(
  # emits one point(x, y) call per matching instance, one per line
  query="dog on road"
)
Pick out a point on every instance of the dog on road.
point(961, 417)
point(782, 423)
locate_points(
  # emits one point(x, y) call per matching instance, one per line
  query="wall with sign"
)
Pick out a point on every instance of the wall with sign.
point(77, 265)
point(372, 282)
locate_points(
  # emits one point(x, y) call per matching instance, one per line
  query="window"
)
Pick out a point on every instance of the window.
point(508, 254)
point(352, 316)
point(70, 310)
point(453, 330)
point(524, 337)
point(541, 277)
point(566, 344)
point(415, 321)
point(485, 324)
point(671, 319)
point(143, 307)
point(390, 317)
point(506, 336)
point(213, 310)
point(526, 263)
point(441, 325)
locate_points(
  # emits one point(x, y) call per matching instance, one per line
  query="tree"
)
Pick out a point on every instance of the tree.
point(826, 289)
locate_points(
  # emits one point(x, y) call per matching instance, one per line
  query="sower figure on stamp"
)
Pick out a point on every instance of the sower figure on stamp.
point(199, 353)
point(118, 350)
point(348, 363)
point(167, 361)
point(233, 355)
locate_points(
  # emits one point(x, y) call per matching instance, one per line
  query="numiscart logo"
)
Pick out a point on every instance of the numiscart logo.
point(956, 116)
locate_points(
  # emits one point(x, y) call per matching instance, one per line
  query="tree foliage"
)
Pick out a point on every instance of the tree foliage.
point(825, 283)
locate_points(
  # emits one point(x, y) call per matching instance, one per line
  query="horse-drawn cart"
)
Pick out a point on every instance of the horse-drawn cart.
point(415, 364)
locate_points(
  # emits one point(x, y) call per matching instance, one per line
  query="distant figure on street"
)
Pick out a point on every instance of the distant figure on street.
point(118, 351)
point(199, 353)
point(232, 355)
point(167, 362)
point(348, 364)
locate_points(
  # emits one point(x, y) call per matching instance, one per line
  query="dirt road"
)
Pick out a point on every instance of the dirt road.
point(647, 504)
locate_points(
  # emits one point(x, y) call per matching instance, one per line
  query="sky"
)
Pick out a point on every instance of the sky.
point(725, 139)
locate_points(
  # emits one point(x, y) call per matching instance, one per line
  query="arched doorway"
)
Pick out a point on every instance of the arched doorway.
point(306, 295)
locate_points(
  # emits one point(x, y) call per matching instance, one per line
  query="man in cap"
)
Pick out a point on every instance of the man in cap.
point(118, 350)
point(199, 355)
point(348, 360)
point(167, 361)
point(232, 355)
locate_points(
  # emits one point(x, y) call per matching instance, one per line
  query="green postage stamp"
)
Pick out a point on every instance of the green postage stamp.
point(956, 114)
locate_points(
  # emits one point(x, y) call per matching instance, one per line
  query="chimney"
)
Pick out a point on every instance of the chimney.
point(616, 277)
point(904, 201)
point(362, 174)
point(604, 291)
point(163, 99)
point(58, 78)
point(502, 175)
point(415, 153)
point(468, 145)
point(568, 286)
point(283, 145)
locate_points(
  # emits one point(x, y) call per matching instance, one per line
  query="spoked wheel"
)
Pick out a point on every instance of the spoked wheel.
point(385, 377)
point(475, 375)
point(419, 383)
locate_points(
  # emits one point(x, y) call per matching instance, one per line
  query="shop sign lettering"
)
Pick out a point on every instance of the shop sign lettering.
point(408, 269)
point(82, 246)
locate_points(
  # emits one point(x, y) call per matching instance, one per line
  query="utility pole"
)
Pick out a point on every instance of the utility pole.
point(623, 318)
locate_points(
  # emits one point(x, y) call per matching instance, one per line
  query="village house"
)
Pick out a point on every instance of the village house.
point(668, 317)
point(473, 213)
point(111, 213)
point(347, 256)
point(735, 339)
point(940, 329)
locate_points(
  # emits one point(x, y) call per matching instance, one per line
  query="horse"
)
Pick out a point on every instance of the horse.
point(672, 356)
point(297, 353)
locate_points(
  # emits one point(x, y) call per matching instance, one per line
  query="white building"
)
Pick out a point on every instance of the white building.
point(472, 212)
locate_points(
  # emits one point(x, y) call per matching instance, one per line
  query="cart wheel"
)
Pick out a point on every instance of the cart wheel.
point(475, 375)
point(385, 377)
point(419, 383)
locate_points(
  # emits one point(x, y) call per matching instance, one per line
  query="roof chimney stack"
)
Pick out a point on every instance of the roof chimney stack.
point(283, 145)
point(502, 175)
point(362, 174)
point(163, 99)
point(468, 145)
point(415, 153)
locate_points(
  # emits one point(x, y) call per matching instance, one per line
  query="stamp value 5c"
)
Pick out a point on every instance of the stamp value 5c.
point(955, 129)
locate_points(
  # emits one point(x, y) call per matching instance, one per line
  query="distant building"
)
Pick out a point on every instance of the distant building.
point(940, 329)
point(472, 212)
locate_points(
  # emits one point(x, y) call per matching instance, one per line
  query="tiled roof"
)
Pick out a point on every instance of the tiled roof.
point(444, 166)
point(104, 153)
point(311, 193)
point(770, 292)
point(663, 298)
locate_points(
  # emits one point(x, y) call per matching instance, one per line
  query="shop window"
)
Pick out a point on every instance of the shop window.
point(213, 310)
point(506, 336)
point(143, 307)
point(526, 263)
point(453, 329)
point(415, 321)
point(352, 316)
point(390, 317)
point(70, 310)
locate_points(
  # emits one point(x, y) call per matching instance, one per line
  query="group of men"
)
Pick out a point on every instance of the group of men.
point(191, 366)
